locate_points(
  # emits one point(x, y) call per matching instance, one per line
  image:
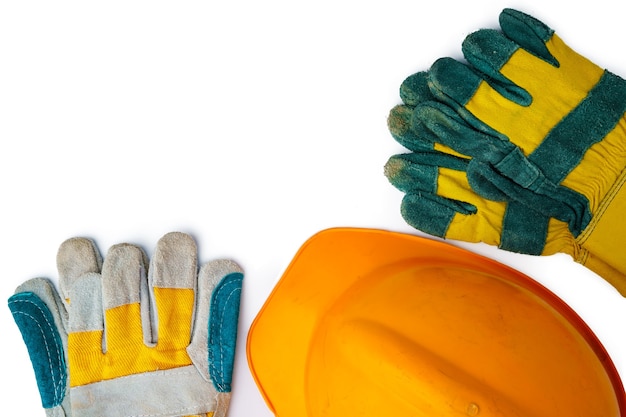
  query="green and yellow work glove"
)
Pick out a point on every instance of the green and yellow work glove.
point(124, 338)
point(523, 147)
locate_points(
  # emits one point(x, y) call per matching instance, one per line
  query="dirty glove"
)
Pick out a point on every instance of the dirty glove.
point(523, 147)
point(124, 339)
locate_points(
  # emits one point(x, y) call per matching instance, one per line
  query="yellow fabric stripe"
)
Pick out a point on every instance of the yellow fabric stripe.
point(567, 86)
point(175, 312)
point(126, 352)
point(484, 227)
point(123, 327)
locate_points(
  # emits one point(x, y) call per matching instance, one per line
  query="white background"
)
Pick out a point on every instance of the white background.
point(250, 124)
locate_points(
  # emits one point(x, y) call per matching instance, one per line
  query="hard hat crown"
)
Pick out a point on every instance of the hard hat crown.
point(370, 322)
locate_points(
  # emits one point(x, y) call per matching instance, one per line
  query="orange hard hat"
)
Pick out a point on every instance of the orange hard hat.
point(369, 322)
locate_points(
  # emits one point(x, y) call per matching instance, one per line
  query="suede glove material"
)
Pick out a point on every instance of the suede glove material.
point(523, 147)
point(125, 337)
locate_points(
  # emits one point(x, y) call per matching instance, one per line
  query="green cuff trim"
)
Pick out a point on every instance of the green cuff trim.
point(223, 323)
point(44, 345)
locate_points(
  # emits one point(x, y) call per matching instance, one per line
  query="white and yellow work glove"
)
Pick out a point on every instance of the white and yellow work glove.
point(124, 338)
point(523, 146)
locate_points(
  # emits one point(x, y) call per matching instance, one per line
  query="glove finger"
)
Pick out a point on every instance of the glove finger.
point(528, 32)
point(86, 311)
point(41, 318)
point(413, 172)
point(86, 328)
point(75, 258)
point(421, 176)
point(420, 128)
point(456, 83)
point(431, 213)
point(399, 124)
point(212, 348)
point(453, 82)
point(123, 282)
point(414, 89)
point(488, 51)
point(430, 123)
point(454, 210)
point(437, 122)
point(173, 279)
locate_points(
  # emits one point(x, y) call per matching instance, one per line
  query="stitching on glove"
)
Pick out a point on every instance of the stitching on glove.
point(220, 370)
point(168, 413)
point(168, 372)
point(604, 205)
point(58, 385)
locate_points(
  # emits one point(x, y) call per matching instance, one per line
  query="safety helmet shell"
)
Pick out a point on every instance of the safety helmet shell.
point(368, 322)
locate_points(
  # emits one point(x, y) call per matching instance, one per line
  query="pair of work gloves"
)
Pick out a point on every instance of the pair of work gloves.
point(126, 337)
point(523, 146)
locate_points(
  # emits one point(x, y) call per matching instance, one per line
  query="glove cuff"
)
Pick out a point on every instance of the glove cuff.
point(173, 392)
point(602, 242)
